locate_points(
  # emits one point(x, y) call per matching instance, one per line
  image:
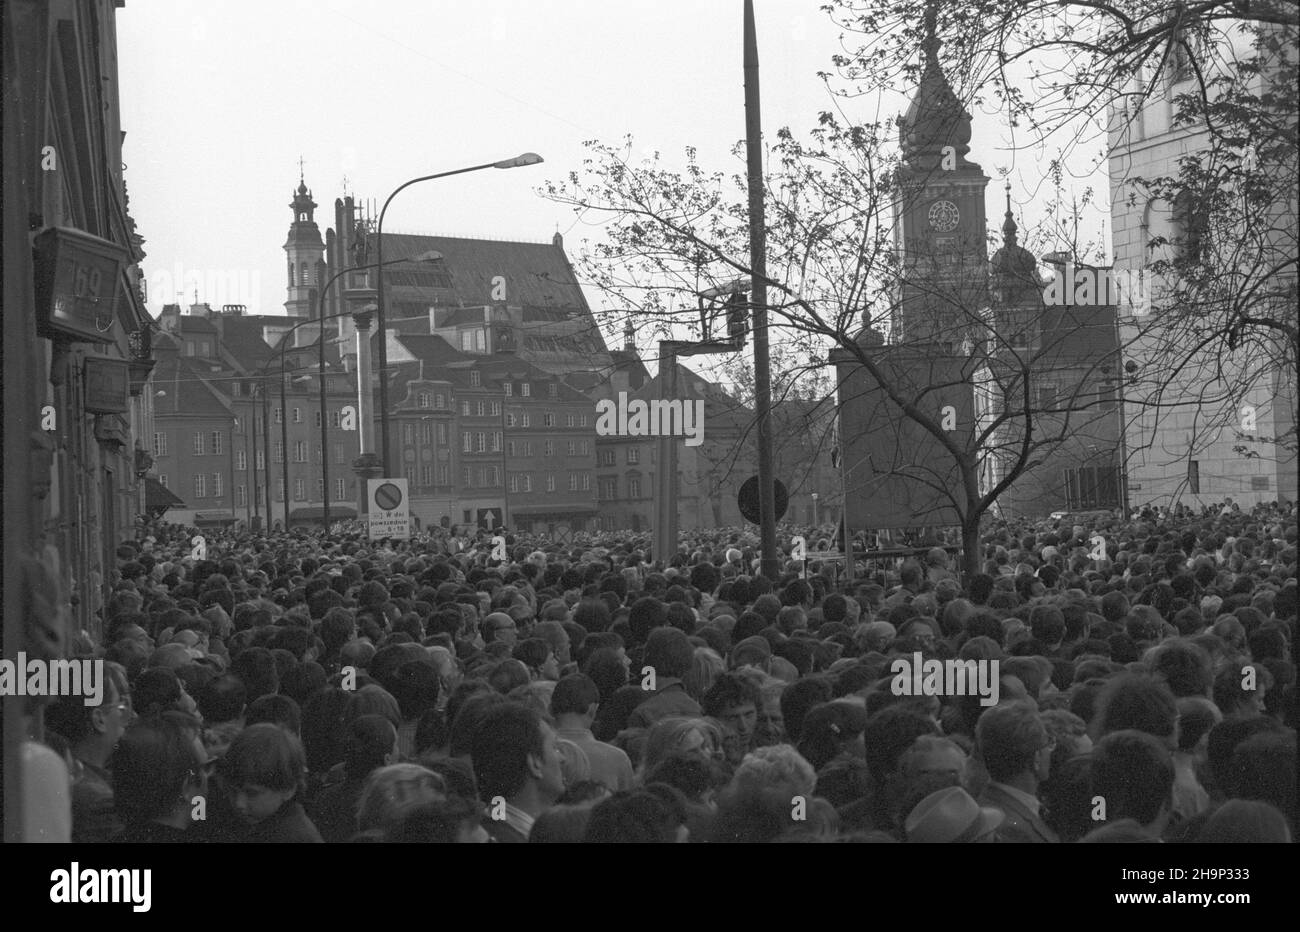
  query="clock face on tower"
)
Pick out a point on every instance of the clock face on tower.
point(944, 216)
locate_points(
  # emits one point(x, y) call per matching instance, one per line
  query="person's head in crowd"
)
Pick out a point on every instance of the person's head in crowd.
point(889, 733)
point(697, 777)
point(1245, 822)
point(833, 730)
point(575, 701)
point(1133, 773)
point(371, 743)
point(454, 820)
point(607, 669)
point(951, 816)
point(1068, 798)
point(670, 653)
point(562, 824)
point(680, 735)
point(91, 731)
point(324, 720)
point(776, 766)
point(931, 757)
point(264, 770)
point(160, 768)
point(277, 710)
point(515, 756)
point(1014, 746)
point(1137, 701)
point(256, 667)
point(633, 817)
point(733, 701)
point(159, 690)
point(1263, 767)
point(393, 792)
point(374, 699)
point(1241, 690)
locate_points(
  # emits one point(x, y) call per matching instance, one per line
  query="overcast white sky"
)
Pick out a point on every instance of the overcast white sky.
point(220, 100)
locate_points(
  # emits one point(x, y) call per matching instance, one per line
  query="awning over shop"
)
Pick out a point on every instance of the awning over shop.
point(157, 497)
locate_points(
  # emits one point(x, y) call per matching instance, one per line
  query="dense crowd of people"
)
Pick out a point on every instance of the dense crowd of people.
point(312, 687)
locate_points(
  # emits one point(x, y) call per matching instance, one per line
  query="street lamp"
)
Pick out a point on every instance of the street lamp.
point(528, 158)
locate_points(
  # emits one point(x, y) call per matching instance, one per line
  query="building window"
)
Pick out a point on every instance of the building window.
point(235, 388)
point(510, 448)
point(464, 409)
point(510, 420)
point(550, 482)
point(216, 443)
point(485, 477)
point(573, 482)
point(198, 443)
point(633, 456)
point(475, 378)
point(259, 495)
point(526, 389)
point(241, 461)
point(320, 490)
point(426, 475)
point(299, 490)
point(548, 419)
point(496, 441)
point(609, 489)
point(340, 455)
point(340, 489)
point(467, 480)
point(548, 448)
point(409, 473)
point(279, 451)
point(1194, 476)
point(523, 419)
point(423, 399)
point(467, 442)
point(607, 458)
point(426, 434)
point(573, 448)
point(279, 415)
point(569, 420)
point(159, 444)
point(162, 480)
point(582, 421)
point(586, 482)
point(509, 389)
point(440, 400)
point(200, 485)
point(336, 419)
point(217, 489)
point(408, 434)
point(583, 448)
point(552, 389)
point(634, 487)
point(528, 482)
point(300, 451)
point(279, 490)
point(316, 419)
point(480, 442)
point(1047, 397)
point(297, 415)
point(261, 459)
point(241, 496)
point(482, 409)
point(514, 483)
point(444, 475)
point(441, 430)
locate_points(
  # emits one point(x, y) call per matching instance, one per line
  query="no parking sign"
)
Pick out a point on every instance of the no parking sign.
point(389, 509)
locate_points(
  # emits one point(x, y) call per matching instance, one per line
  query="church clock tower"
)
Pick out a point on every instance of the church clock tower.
point(306, 255)
point(939, 219)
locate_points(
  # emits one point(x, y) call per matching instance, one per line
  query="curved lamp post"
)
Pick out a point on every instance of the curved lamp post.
point(528, 158)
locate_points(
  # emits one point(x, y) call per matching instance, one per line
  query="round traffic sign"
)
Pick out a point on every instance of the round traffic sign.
point(388, 496)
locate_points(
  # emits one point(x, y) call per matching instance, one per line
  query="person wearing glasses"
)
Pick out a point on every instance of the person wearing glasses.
point(92, 733)
point(160, 779)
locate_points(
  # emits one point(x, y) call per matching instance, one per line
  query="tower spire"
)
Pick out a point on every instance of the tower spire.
point(1009, 227)
point(301, 178)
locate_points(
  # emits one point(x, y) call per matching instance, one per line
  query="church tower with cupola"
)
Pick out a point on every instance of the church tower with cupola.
point(939, 217)
point(305, 255)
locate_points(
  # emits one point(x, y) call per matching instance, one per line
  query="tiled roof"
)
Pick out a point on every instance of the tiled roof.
point(189, 390)
point(535, 274)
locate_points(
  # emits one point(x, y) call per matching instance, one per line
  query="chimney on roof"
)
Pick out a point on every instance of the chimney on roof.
point(557, 240)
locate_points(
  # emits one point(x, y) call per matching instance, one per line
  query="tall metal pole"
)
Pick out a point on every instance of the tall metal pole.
point(284, 429)
point(252, 463)
point(234, 515)
point(266, 443)
point(770, 565)
point(324, 413)
point(665, 529)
